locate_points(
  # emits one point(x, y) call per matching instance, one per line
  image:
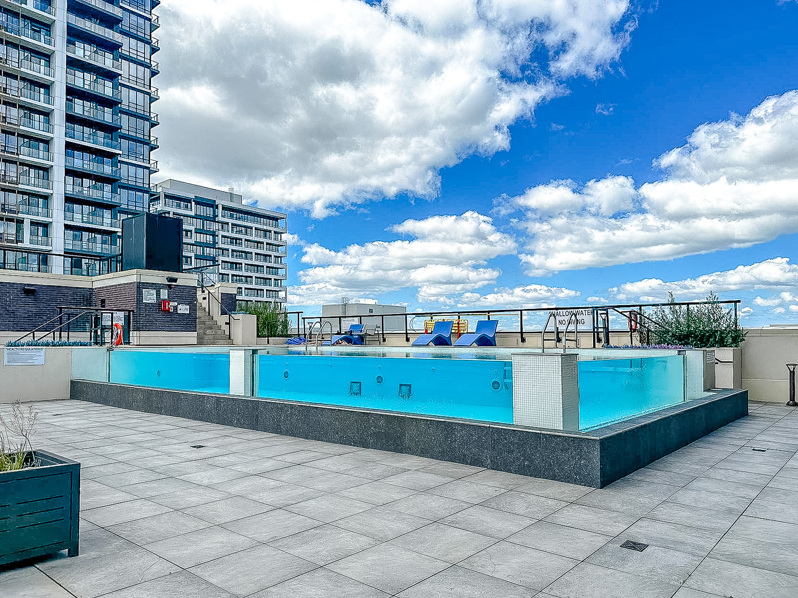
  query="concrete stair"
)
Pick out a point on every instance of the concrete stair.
point(208, 331)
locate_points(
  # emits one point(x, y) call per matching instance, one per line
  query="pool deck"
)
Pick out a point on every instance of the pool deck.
point(266, 516)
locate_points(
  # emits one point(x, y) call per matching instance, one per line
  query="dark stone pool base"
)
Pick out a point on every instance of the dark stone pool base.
point(594, 458)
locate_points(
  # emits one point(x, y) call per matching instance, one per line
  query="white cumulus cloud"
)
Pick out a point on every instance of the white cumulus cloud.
point(734, 184)
point(322, 104)
point(776, 273)
point(445, 255)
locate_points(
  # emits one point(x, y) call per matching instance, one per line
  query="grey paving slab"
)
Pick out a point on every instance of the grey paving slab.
point(519, 564)
point(321, 583)
point(252, 570)
point(94, 495)
point(457, 582)
point(135, 476)
point(182, 584)
point(528, 505)
point(212, 476)
point(429, 506)
point(560, 539)
point(29, 582)
point(488, 522)
point(382, 523)
point(377, 493)
point(201, 546)
point(91, 575)
point(158, 527)
point(467, 491)
point(453, 470)
point(444, 542)
point(711, 500)
point(592, 581)
point(674, 536)
point(324, 544)
point(694, 516)
point(762, 554)
point(417, 480)
point(777, 511)
point(732, 579)
point(329, 507)
point(620, 501)
point(157, 487)
point(501, 479)
point(552, 489)
point(272, 525)
point(388, 568)
point(189, 498)
point(663, 564)
point(122, 512)
point(374, 471)
point(592, 519)
point(227, 510)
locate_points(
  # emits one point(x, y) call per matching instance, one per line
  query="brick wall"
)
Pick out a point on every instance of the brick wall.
point(149, 317)
point(229, 302)
point(22, 313)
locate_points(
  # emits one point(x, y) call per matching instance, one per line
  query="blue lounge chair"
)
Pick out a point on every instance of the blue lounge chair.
point(483, 336)
point(441, 335)
point(353, 337)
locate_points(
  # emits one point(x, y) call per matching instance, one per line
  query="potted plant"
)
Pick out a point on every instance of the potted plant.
point(707, 326)
point(39, 493)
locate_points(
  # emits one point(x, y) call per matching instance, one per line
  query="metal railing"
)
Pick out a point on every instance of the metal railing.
point(69, 321)
point(639, 323)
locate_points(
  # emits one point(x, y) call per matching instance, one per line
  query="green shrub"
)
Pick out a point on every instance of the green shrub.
point(700, 326)
point(272, 321)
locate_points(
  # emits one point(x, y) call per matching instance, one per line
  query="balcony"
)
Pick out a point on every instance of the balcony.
point(94, 28)
point(27, 32)
point(103, 7)
point(94, 138)
point(97, 86)
point(89, 246)
point(95, 193)
point(154, 142)
point(155, 94)
point(96, 58)
point(155, 67)
point(37, 5)
point(35, 211)
point(154, 119)
point(155, 45)
point(105, 221)
point(93, 167)
point(41, 241)
point(154, 167)
point(36, 182)
point(94, 113)
point(25, 93)
point(28, 66)
point(35, 153)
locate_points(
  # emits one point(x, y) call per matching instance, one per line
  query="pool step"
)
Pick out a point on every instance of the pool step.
point(208, 331)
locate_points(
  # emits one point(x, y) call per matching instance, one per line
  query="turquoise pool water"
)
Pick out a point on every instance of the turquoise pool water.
point(468, 385)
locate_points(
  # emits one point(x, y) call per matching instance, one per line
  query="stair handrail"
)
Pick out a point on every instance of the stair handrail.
point(83, 312)
point(206, 290)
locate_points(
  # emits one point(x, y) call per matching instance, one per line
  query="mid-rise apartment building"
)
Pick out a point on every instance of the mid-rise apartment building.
point(230, 241)
point(76, 126)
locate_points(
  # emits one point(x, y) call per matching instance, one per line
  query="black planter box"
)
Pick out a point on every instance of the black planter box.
point(39, 509)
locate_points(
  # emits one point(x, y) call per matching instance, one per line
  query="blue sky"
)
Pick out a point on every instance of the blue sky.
point(612, 152)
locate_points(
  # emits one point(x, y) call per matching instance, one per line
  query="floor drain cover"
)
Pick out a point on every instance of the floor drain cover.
point(197, 446)
point(638, 546)
point(758, 450)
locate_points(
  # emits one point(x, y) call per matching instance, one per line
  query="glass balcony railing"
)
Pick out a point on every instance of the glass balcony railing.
point(96, 193)
point(94, 137)
point(35, 152)
point(41, 241)
point(37, 182)
point(94, 28)
point(36, 124)
point(106, 221)
point(91, 166)
point(99, 58)
point(27, 65)
point(98, 86)
point(104, 7)
point(95, 113)
point(28, 32)
point(92, 246)
point(27, 93)
point(37, 4)
point(23, 208)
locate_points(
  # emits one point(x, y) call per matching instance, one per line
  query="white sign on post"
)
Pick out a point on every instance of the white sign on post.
point(119, 317)
point(23, 356)
point(107, 319)
point(584, 318)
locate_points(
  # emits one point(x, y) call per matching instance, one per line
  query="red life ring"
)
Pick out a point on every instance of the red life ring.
point(116, 334)
point(633, 320)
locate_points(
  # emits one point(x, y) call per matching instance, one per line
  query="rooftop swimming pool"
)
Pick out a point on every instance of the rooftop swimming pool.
point(471, 384)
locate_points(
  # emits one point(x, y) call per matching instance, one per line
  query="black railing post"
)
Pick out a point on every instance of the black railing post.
point(407, 334)
point(791, 367)
point(521, 324)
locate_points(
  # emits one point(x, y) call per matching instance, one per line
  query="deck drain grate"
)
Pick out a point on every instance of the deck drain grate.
point(197, 446)
point(637, 546)
point(759, 450)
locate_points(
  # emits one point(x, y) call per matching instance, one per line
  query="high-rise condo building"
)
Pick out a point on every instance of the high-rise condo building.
point(226, 239)
point(76, 126)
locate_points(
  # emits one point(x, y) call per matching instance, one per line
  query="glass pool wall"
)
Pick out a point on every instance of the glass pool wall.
point(474, 384)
